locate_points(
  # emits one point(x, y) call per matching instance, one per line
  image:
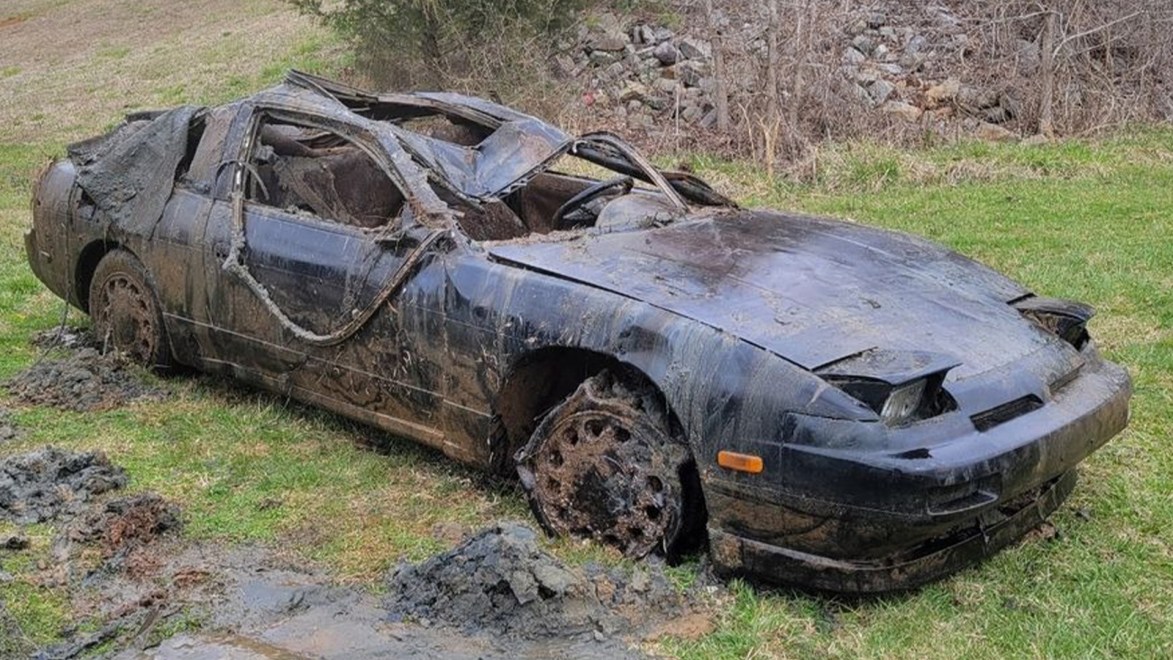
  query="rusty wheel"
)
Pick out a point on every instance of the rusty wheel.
point(125, 312)
point(603, 465)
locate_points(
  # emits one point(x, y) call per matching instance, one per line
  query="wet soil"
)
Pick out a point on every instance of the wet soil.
point(41, 485)
point(500, 581)
point(8, 428)
point(84, 381)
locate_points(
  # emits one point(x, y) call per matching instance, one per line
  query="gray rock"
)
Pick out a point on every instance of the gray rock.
point(876, 20)
point(634, 91)
point(615, 71)
point(853, 56)
point(602, 58)
point(902, 110)
point(666, 53)
point(888, 33)
point(858, 26)
point(880, 90)
point(665, 86)
point(646, 34)
point(565, 66)
point(662, 33)
point(609, 42)
point(693, 49)
point(709, 120)
point(915, 45)
point(690, 73)
point(881, 53)
point(691, 113)
point(890, 68)
point(864, 44)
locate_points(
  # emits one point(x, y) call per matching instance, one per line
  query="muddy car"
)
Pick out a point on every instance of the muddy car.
point(818, 402)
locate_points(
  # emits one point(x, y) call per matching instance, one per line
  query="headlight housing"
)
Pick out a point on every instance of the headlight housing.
point(900, 386)
point(901, 404)
point(1065, 319)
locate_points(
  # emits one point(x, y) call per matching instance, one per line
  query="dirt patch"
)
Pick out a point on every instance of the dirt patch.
point(45, 484)
point(501, 582)
point(125, 526)
point(8, 430)
point(84, 381)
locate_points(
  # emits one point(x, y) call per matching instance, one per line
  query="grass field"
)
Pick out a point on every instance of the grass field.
point(1091, 220)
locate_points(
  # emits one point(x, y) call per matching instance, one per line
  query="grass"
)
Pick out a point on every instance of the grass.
point(1087, 219)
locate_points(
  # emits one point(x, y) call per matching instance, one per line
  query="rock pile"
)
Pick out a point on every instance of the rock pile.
point(904, 63)
point(641, 73)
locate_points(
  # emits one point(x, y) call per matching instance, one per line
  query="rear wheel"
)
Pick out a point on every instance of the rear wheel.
point(125, 311)
point(603, 464)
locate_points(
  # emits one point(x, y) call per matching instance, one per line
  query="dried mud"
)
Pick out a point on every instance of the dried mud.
point(84, 381)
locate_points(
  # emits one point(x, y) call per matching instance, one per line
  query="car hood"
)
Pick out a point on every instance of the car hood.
point(811, 290)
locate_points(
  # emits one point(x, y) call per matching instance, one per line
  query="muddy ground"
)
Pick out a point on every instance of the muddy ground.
point(139, 589)
point(85, 380)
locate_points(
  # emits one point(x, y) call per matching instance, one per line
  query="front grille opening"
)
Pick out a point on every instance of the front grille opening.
point(988, 419)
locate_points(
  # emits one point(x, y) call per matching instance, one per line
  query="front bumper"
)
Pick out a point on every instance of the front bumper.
point(870, 522)
point(737, 555)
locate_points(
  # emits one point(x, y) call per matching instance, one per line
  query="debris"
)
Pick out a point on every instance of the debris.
point(45, 484)
point(14, 542)
point(85, 381)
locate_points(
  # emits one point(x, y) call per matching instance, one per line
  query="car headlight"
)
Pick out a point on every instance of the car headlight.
point(899, 404)
point(1065, 319)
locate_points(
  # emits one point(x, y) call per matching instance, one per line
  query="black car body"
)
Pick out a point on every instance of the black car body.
point(826, 403)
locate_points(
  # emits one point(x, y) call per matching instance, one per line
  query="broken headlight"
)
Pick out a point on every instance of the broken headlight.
point(899, 404)
point(1065, 319)
point(899, 386)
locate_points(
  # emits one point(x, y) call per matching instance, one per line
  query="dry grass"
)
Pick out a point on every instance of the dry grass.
point(72, 68)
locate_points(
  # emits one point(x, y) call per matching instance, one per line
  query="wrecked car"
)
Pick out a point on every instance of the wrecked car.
point(817, 402)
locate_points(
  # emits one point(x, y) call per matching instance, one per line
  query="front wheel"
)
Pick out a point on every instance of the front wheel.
point(125, 311)
point(603, 464)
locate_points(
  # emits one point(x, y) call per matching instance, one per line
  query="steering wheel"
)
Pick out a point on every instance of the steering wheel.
point(620, 185)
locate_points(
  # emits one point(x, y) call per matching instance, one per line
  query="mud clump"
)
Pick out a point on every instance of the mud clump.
point(85, 381)
point(501, 582)
point(8, 430)
point(127, 523)
point(45, 484)
point(67, 337)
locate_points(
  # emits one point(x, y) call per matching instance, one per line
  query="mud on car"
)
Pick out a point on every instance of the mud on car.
point(817, 402)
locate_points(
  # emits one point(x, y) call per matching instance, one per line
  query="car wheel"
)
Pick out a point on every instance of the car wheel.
point(125, 311)
point(603, 464)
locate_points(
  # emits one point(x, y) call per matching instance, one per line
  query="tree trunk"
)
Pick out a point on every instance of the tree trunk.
point(1047, 98)
point(720, 94)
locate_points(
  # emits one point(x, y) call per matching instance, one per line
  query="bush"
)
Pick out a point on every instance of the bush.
point(412, 43)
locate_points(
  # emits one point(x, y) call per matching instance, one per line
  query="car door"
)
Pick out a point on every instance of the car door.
point(306, 260)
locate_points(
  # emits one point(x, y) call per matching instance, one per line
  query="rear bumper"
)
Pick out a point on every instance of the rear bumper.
point(880, 522)
point(737, 555)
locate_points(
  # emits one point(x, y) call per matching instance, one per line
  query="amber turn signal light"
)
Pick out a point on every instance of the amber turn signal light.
point(740, 462)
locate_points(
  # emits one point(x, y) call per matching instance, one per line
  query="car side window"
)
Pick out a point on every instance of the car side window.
point(305, 169)
point(205, 163)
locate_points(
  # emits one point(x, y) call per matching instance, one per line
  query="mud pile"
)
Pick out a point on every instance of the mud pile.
point(67, 337)
point(127, 523)
point(8, 430)
point(84, 381)
point(47, 483)
point(500, 581)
